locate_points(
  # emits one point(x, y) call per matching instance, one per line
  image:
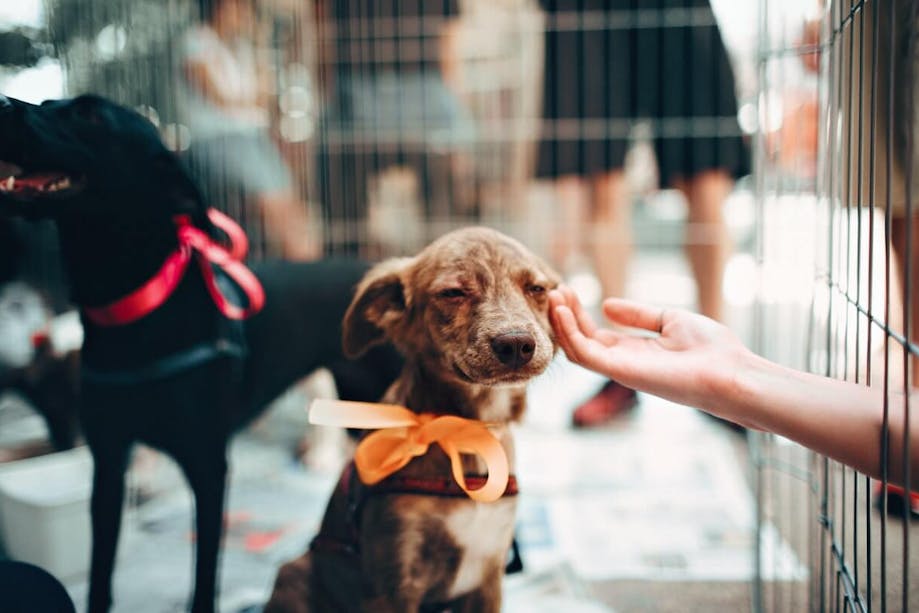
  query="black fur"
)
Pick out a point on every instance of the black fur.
point(116, 229)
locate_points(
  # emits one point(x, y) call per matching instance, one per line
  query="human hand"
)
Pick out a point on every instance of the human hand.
point(670, 353)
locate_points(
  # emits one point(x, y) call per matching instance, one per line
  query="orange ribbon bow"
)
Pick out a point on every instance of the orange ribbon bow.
point(402, 435)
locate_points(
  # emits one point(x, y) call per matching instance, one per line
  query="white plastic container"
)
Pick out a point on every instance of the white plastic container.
point(44, 511)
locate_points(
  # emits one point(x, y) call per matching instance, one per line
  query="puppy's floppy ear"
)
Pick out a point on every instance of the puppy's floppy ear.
point(378, 304)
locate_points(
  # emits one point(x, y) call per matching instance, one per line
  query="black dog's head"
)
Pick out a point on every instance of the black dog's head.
point(87, 155)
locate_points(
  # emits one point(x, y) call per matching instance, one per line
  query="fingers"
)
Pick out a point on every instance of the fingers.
point(556, 298)
point(563, 335)
point(571, 339)
point(584, 320)
point(564, 295)
point(564, 326)
point(634, 314)
point(597, 353)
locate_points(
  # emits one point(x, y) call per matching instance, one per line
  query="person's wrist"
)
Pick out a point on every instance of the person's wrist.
point(731, 386)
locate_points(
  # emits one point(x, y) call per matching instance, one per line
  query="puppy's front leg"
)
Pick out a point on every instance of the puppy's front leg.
point(487, 598)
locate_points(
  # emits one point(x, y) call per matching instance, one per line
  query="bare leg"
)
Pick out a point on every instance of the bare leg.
point(708, 244)
point(288, 226)
point(610, 239)
point(610, 232)
point(566, 235)
point(902, 251)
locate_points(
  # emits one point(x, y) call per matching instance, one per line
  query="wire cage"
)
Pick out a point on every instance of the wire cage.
point(851, 110)
point(386, 123)
point(357, 124)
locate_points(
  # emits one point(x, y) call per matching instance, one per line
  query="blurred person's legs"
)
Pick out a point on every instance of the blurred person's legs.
point(701, 162)
point(586, 114)
point(565, 244)
point(609, 237)
point(677, 78)
point(603, 233)
point(708, 243)
point(610, 233)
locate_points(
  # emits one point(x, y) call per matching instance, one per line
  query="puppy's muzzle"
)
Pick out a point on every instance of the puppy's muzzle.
point(514, 349)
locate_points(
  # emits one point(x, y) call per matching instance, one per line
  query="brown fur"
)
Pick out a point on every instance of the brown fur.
point(470, 315)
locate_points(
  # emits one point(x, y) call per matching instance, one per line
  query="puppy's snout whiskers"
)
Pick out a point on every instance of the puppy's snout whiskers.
point(514, 349)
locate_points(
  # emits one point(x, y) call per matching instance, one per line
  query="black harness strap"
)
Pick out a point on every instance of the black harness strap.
point(230, 341)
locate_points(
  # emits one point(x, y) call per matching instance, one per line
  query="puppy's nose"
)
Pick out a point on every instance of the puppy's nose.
point(514, 348)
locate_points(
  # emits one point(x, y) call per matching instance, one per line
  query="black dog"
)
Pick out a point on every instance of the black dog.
point(183, 377)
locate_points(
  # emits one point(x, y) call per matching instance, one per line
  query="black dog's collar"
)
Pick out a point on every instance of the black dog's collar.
point(194, 243)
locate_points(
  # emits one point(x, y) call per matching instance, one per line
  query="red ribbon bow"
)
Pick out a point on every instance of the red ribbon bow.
point(192, 241)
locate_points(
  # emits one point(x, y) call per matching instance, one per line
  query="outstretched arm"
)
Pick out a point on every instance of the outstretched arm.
point(693, 360)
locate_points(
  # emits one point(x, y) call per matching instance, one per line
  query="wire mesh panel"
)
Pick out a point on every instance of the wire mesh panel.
point(837, 86)
point(427, 114)
point(366, 127)
point(227, 83)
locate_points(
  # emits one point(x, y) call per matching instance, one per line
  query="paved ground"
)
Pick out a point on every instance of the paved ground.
point(651, 511)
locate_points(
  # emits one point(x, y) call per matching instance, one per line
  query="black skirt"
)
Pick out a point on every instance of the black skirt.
point(611, 63)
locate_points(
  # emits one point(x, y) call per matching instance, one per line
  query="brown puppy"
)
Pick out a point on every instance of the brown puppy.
point(470, 315)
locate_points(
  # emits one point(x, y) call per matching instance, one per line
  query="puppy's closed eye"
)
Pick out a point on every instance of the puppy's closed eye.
point(452, 293)
point(536, 289)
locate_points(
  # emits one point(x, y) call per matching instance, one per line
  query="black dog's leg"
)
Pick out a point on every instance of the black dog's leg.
point(206, 475)
point(107, 498)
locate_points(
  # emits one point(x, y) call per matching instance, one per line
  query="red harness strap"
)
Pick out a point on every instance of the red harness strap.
point(152, 294)
point(435, 486)
point(357, 494)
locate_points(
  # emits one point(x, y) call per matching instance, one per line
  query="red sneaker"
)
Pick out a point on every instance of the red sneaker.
point(612, 400)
